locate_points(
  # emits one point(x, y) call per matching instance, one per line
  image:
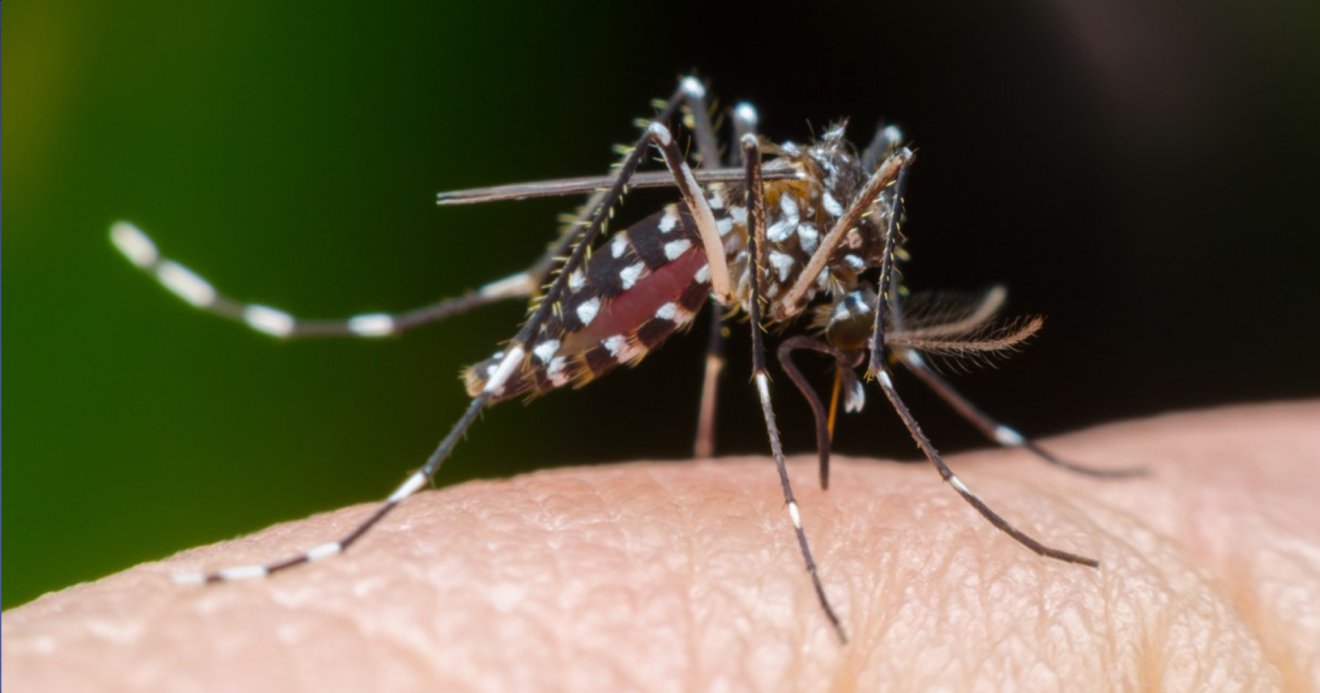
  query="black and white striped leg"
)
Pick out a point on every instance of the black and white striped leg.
point(696, 111)
point(704, 445)
point(513, 355)
point(887, 138)
point(192, 288)
point(992, 429)
point(886, 286)
point(818, 410)
point(745, 121)
point(756, 235)
point(887, 384)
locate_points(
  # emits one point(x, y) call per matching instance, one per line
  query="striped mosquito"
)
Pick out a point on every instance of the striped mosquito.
point(784, 234)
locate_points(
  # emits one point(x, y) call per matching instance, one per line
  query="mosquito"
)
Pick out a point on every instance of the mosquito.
point(784, 235)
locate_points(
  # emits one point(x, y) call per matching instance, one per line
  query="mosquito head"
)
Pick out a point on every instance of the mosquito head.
point(848, 322)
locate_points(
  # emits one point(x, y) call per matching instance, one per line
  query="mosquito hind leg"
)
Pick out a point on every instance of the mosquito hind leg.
point(192, 288)
point(994, 430)
point(928, 449)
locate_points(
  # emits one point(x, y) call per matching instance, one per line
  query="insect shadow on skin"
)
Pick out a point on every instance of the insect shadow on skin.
point(810, 236)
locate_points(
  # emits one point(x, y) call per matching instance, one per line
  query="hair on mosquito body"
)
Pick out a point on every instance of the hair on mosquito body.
point(803, 240)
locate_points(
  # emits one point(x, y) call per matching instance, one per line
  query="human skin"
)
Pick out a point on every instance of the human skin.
point(686, 576)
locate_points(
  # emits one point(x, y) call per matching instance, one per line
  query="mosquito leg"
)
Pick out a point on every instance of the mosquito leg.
point(744, 123)
point(703, 130)
point(513, 357)
point(886, 293)
point(756, 234)
point(823, 438)
point(745, 120)
point(886, 384)
point(886, 140)
point(183, 282)
point(704, 446)
point(992, 429)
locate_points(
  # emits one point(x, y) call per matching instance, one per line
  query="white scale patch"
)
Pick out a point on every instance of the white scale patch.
point(781, 230)
point(134, 244)
point(628, 275)
point(832, 205)
point(724, 226)
point(808, 238)
point(371, 325)
point(546, 350)
point(670, 219)
point(616, 345)
point(185, 284)
point(668, 311)
point(855, 261)
point(855, 398)
point(783, 262)
point(703, 274)
point(269, 320)
point(576, 280)
point(555, 371)
point(619, 245)
point(789, 207)
point(739, 215)
point(586, 311)
point(674, 249)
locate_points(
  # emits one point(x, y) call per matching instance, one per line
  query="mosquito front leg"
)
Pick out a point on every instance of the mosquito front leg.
point(755, 235)
point(887, 285)
point(511, 360)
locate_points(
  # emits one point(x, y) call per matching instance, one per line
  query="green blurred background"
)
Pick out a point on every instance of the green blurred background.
point(1145, 177)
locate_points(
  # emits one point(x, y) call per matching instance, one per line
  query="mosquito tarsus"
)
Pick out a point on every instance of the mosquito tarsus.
point(780, 233)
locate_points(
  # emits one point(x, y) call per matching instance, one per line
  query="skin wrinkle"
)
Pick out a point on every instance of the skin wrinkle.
point(454, 592)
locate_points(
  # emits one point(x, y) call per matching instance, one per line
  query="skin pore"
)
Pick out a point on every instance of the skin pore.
point(685, 575)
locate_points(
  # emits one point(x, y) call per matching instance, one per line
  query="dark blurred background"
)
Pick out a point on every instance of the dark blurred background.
point(1144, 176)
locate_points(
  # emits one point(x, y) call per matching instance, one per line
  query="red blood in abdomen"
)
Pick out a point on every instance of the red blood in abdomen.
point(628, 311)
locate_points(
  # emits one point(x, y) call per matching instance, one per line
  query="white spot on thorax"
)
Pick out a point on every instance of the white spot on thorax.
point(619, 245)
point(782, 262)
point(832, 205)
point(808, 237)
